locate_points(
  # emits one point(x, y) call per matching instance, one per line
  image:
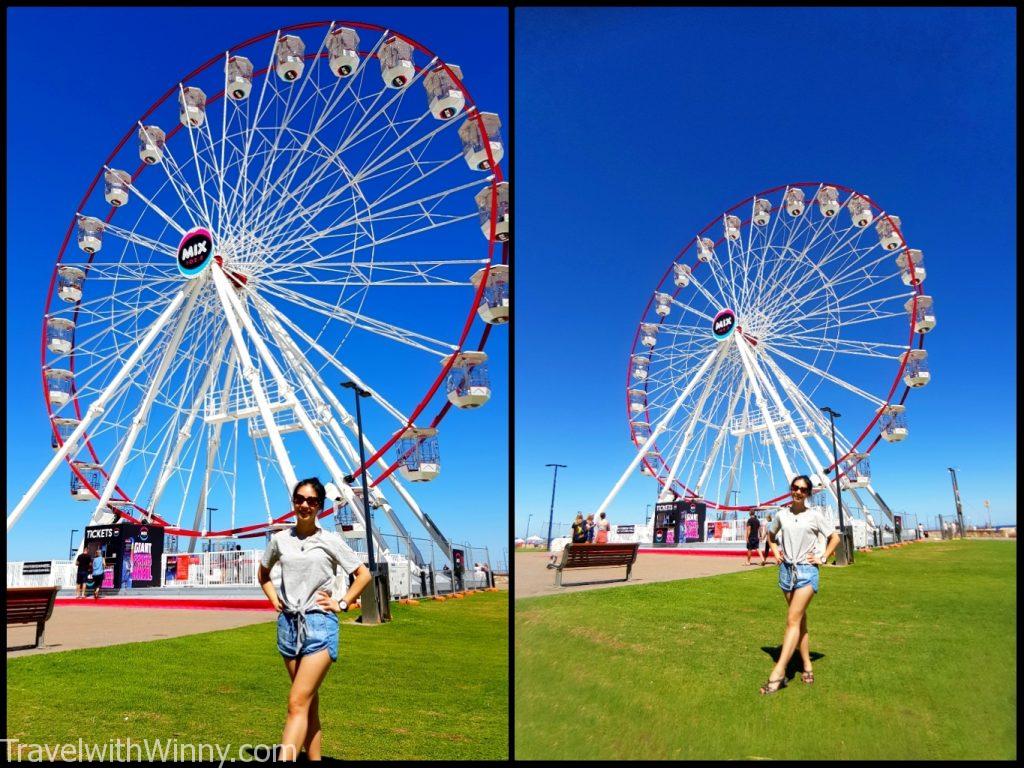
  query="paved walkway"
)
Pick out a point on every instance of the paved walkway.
point(96, 626)
point(533, 578)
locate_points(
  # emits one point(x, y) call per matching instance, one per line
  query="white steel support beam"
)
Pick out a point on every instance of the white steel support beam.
point(101, 514)
point(688, 434)
point(660, 427)
point(748, 365)
point(252, 376)
point(95, 410)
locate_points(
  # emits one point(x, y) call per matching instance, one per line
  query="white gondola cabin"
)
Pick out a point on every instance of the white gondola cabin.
point(794, 201)
point(502, 212)
point(893, 423)
point(93, 476)
point(494, 303)
point(640, 363)
point(151, 144)
point(191, 106)
point(288, 53)
point(239, 72)
point(376, 500)
point(58, 384)
point(860, 211)
point(924, 316)
point(637, 401)
point(418, 455)
point(705, 249)
point(888, 234)
point(731, 225)
point(468, 383)
point(63, 428)
point(681, 275)
point(346, 524)
point(911, 275)
point(857, 471)
point(649, 467)
point(649, 334)
point(115, 187)
point(60, 334)
point(474, 147)
point(828, 201)
point(444, 98)
point(396, 63)
point(662, 304)
point(343, 45)
point(69, 284)
point(762, 211)
point(90, 234)
point(640, 431)
point(915, 372)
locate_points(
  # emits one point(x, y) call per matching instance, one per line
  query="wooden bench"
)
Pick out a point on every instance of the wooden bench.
point(596, 556)
point(30, 605)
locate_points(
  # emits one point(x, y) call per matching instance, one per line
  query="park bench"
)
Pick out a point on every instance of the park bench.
point(30, 605)
point(596, 556)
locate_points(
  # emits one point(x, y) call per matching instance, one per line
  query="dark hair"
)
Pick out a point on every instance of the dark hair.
point(318, 487)
point(810, 485)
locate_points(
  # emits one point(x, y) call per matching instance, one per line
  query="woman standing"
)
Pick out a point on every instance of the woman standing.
point(603, 526)
point(796, 531)
point(98, 567)
point(307, 629)
point(765, 546)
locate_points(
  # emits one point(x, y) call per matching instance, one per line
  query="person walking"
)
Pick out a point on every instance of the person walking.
point(603, 526)
point(97, 572)
point(307, 627)
point(753, 536)
point(794, 537)
point(763, 545)
point(83, 568)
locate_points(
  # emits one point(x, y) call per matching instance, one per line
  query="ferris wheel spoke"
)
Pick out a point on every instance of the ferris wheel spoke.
point(828, 377)
point(362, 274)
point(852, 347)
point(134, 238)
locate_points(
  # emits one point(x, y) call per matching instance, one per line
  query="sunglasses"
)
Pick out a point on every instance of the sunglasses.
point(801, 488)
point(298, 499)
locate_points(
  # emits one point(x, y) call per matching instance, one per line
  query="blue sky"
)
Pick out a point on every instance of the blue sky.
point(64, 118)
point(637, 126)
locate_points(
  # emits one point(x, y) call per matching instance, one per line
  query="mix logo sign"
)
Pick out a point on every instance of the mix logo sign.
point(195, 252)
point(723, 325)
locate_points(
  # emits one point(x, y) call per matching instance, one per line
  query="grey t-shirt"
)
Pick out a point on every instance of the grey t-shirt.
point(308, 565)
point(800, 534)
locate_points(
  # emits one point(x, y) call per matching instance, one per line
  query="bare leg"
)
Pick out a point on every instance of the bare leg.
point(797, 606)
point(313, 730)
point(311, 672)
point(805, 645)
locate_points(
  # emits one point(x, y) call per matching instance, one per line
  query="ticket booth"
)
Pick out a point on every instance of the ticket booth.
point(667, 523)
point(132, 553)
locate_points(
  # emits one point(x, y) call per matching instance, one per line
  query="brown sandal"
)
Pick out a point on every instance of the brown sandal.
point(807, 677)
point(773, 686)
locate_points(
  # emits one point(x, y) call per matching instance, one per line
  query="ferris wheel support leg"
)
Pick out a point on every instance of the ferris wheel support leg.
point(881, 503)
point(142, 416)
point(94, 410)
point(317, 384)
point(252, 376)
point(750, 367)
point(185, 432)
point(716, 447)
point(660, 427)
point(708, 387)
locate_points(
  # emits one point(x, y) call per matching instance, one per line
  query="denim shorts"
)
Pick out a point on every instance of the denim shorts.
point(321, 632)
point(795, 576)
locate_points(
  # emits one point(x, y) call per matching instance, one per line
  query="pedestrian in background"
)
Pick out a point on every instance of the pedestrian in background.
point(590, 529)
point(83, 566)
point(603, 526)
point(97, 573)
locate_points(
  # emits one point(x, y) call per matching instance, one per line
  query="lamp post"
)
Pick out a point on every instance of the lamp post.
point(956, 496)
point(72, 542)
point(844, 556)
point(209, 527)
point(374, 614)
point(529, 517)
point(551, 515)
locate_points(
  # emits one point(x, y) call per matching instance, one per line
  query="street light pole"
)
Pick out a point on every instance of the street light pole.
point(529, 517)
point(845, 556)
point(956, 496)
point(71, 544)
point(375, 614)
point(209, 527)
point(551, 515)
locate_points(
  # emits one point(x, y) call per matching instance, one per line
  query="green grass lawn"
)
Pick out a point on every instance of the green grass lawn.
point(432, 684)
point(917, 661)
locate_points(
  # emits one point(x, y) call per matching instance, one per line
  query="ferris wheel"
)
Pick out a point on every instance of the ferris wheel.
point(320, 202)
point(796, 298)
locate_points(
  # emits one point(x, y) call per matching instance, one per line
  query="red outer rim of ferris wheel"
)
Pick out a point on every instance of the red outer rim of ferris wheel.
point(470, 111)
point(918, 290)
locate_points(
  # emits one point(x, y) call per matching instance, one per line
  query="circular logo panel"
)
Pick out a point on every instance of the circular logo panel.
point(195, 252)
point(723, 325)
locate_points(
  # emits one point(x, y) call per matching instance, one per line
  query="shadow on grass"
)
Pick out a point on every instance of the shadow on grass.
point(795, 666)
